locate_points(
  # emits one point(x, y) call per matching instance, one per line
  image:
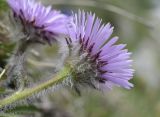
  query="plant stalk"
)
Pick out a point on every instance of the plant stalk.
point(20, 95)
point(15, 69)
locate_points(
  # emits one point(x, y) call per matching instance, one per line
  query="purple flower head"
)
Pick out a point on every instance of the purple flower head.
point(38, 20)
point(101, 63)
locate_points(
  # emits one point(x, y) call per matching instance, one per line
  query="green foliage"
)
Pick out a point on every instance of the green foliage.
point(5, 52)
point(23, 110)
point(3, 5)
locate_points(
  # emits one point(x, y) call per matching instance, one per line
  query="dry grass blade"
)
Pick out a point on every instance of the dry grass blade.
point(2, 73)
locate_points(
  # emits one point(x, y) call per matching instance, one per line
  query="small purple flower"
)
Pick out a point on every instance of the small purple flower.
point(107, 63)
point(38, 20)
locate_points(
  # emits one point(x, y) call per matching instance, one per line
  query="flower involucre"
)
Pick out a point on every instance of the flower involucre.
point(38, 20)
point(107, 62)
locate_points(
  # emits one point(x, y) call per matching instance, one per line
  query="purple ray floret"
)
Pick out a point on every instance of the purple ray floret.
point(38, 19)
point(112, 61)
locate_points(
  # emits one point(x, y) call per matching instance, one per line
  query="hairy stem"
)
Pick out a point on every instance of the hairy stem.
point(16, 66)
point(20, 95)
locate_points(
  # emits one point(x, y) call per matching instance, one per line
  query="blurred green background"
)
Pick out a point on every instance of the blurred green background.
point(137, 23)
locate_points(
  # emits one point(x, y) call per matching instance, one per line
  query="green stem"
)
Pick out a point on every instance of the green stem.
point(30, 91)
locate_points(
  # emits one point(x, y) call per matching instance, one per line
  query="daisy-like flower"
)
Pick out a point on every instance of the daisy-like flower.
point(96, 59)
point(38, 21)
